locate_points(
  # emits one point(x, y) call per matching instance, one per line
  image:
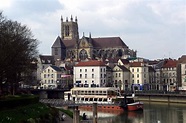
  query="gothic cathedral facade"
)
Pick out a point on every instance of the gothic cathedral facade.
point(69, 47)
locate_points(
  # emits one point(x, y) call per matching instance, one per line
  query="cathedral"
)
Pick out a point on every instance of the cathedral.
point(69, 47)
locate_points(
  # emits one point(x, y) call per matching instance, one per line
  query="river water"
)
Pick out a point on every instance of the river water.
point(152, 113)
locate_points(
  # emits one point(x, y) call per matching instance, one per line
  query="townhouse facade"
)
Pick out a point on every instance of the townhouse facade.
point(52, 77)
point(165, 75)
point(153, 85)
point(183, 75)
point(43, 62)
point(169, 75)
point(181, 72)
point(139, 75)
point(121, 77)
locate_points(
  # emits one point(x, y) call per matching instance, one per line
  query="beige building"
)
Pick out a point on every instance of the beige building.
point(51, 77)
point(139, 75)
point(121, 77)
point(43, 62)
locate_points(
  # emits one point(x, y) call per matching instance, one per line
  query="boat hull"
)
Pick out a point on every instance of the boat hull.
point(104, 107)
point(102, 110)
point(135, 106)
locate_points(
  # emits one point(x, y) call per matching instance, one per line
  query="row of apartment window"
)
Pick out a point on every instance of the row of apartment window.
point(102, 81)
point(52, 81)
point(171, 68)
point(48, 71)
point(118, 74)
point(86, 70)
point(169, 80)
point(138, 75)
point(52, 75)
point(137, 70)
point(93, 76)
point(168, 74)
point(133, 70)
point(138, 82)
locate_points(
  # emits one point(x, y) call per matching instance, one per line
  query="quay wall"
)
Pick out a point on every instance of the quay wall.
point(163, 98)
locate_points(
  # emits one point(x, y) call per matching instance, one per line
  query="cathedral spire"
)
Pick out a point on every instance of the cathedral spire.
point(71, 18)
point(76, 19)
point(61, 18)
point(90, 39)
point(89, 34)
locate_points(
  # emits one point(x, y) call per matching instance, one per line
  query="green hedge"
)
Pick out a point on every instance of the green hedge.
point(10, 101)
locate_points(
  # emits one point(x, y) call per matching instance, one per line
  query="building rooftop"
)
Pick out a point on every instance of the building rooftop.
point(170, 63)
point(91, 63)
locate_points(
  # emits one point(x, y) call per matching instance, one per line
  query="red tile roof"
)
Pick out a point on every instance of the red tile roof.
point(91, 63)
point(170, 63)
point(136, 64)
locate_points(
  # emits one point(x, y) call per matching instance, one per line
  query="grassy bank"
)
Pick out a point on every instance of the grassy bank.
point(68, 112)
point(31, 113)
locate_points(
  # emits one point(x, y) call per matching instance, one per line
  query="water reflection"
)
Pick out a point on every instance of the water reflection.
point(153, 113)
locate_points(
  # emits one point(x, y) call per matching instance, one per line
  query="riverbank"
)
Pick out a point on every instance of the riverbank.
point(166, 98)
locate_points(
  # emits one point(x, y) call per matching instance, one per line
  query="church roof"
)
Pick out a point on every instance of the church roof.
point(103, 42)
point(69, 43)
point(108, 42)
point(58, 43)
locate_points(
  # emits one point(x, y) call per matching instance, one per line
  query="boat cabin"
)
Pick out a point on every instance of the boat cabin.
point(92, 95)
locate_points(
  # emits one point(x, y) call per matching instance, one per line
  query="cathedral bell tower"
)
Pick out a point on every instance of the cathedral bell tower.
point(69, 29)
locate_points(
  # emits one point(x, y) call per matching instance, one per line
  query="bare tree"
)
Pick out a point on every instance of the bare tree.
point(18, 49)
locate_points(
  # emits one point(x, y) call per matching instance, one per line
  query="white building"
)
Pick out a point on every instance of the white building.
point(90, 74)
point(183, 75)
point(51, 77)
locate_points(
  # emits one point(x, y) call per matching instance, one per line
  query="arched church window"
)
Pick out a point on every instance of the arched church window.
point(67, 30)
point(71, 54)
point(120, 52)
point(83, 54)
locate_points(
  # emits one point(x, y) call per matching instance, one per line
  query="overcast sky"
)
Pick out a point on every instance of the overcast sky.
point(155, 28)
